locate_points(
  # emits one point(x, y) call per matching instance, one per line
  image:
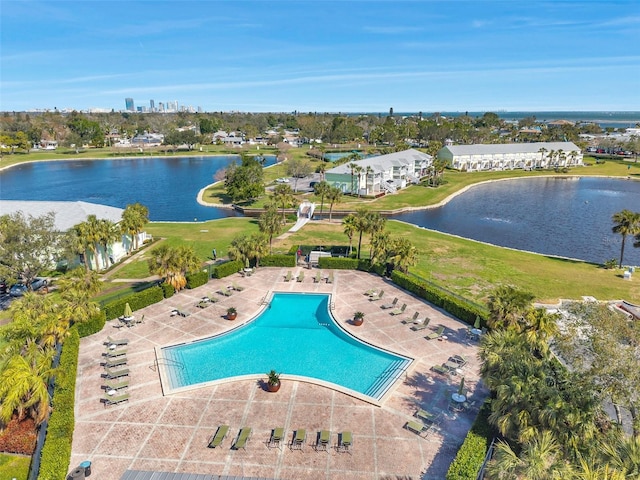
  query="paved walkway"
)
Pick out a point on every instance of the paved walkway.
point(171, 433)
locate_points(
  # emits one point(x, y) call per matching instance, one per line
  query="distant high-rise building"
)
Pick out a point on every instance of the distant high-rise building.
point(161, 107)
point(129, 104)
point(152, 105)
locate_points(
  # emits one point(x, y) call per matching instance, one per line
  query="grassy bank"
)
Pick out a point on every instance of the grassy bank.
point(419, 195)
point(469, 268)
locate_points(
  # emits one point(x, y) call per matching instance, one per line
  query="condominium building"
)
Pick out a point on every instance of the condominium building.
point(474, 158)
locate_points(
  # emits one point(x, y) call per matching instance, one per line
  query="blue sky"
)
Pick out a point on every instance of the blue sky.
point(346, 56)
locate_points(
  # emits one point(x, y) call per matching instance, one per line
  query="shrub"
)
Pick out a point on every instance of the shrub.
point(338, 263)
point(278, 261)
point(456, 306)
point(227, 268)
point(474, 449)
point(136, 301)
point(94, 325)
point(197, 279)
point(56, 452)
point(168, 290)
point(19, 437)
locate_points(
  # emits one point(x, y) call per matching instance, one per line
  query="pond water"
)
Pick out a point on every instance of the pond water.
point(569, 216)
point(167, 186)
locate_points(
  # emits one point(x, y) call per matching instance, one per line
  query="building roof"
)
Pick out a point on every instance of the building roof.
point(505, 148)
point(384, 162)
point(67, 214)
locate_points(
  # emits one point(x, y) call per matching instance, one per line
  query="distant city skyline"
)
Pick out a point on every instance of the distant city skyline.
point(350, 56)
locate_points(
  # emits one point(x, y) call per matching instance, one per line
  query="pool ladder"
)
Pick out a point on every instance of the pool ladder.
point(169, 362)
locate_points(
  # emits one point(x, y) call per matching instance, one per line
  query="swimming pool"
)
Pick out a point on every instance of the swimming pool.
point(295, 335)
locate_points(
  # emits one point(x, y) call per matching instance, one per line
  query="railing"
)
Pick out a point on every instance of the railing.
point(170, 362)
point(487, 457)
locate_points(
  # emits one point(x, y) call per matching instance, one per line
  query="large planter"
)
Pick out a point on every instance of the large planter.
point(358, 321)
point(273, 387)
point(232, 316)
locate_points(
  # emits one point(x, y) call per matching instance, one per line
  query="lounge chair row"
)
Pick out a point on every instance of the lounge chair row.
point(451, 366)
point(115, 357)
point(207, 300)
point(417, 322)
point(277, 438)
point(426, 422)
point(316, 279)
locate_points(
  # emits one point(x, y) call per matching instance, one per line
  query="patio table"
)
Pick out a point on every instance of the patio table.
point(456, 397)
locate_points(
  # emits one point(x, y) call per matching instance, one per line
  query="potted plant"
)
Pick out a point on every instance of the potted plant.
point(273, 381)
point(358, 318)
point(232, 313)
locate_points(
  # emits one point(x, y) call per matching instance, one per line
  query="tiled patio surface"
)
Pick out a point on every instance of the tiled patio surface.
point(171, 433)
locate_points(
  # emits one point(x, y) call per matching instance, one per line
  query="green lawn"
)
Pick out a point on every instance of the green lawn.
point(203, 237)
point(14, 466)
point(469, 268)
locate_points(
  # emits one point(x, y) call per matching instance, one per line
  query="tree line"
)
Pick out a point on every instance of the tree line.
point(20, 130)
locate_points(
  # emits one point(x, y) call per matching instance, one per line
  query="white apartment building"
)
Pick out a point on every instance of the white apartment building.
point(479, 157)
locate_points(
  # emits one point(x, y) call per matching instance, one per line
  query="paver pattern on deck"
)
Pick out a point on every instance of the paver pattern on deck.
point(171, 433)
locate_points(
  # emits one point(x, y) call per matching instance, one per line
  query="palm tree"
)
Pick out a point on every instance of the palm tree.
point(283, 196)
point(380, 245)
point(626, 223)
point(134, 218)
point(353, 167)
point(358, 170)
point(368, 173)
point(362, 220)
point(270, 223)
point(108, 233)
point(23, 384)
point(333, 195)
point(402, 254)
point(173, 263)
point(376, 225)
point(540, 459)
point(550, 156)
point(542, 152)
point(89, 236)
point(541, 326)
point(322, 168)
point(349, 225)
point(322, 189)
point(245, 248)
point(507, 306)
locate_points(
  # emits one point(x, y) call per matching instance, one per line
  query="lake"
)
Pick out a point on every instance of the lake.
point(167, 186)
point(566, 216)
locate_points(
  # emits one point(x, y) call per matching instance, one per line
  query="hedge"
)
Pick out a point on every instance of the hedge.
point(136, 301)
point(338, 263)
point(168, 290)
point(226, 269)
point(278, 261)
point(197, 279)
point(94, 325)
point(474, 449)
point(56, 452)
point(458, 307)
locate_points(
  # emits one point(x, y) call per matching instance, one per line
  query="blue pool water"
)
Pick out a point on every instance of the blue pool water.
point(294, 335)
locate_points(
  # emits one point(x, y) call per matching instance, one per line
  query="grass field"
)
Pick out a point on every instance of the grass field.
point(471, 269)
point(14, 466)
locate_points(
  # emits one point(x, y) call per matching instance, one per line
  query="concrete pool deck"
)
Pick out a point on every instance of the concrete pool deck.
point(171, 433)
